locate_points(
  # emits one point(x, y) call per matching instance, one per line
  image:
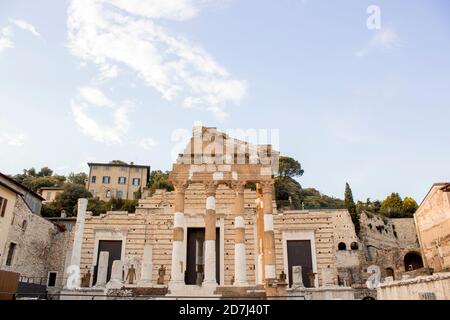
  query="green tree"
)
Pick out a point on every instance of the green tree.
point(129, 206)
point(287, 189)
point(51, 209)
point(289, 167)
point(392, 206)
point(314, 199)
point(45, 172)
point(97, 206)
point(68, 199)
point(77, 178)
point(351, 207)
point(44, 178)
point(160, 180)
point(288, 192)
point(409, 207)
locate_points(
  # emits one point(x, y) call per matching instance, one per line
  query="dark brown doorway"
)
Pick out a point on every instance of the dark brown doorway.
point(299, 254)
point(115, 253)
point(195, 264)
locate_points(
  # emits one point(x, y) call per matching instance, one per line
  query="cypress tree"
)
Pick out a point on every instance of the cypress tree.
point(351, 207)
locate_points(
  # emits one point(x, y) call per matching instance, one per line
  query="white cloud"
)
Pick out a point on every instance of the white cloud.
point(110, 132)
point(110, 33)
point(24, 25)
point(14, 140)
point(383, 39)
point(147, 143)
point(386, 38)
point(5, 39)
point(95, 97)
point(6, 33)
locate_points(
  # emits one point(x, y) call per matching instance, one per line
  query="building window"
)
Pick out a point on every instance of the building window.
point(94, 179)
point(136, 182)
point(106, 180)
point(51, 282)
point(3, 203)
point(342, 246)
point(354, 246)
point(119, 194)
point(108, 194)
point(122, 180)
point(92, 192)
point(24, 225)
point(12, 249)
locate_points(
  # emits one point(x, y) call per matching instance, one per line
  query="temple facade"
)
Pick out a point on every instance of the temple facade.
point(218, 231)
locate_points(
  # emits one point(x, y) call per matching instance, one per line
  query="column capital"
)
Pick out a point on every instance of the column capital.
point(267, 186)
point(238, 186)
point(211, 188)
point(180, 186)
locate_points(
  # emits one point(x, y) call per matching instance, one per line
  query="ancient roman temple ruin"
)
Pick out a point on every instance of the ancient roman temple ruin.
point(217, 234)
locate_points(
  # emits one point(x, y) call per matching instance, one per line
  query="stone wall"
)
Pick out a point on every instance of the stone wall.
point(320, 224)
point(434, 287)
point(32, 235)
point(433, 226)
point(40, 247)
point(153, 224)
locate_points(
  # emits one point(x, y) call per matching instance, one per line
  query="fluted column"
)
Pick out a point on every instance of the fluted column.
point(210, 235)
point(178, 267)
point(269, 235)
point(240, 263)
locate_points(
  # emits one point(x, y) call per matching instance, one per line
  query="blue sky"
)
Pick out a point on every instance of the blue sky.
point(112, 79)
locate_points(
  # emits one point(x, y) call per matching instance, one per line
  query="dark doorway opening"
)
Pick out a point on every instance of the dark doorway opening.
point(115, 253)
point(299, 254)
point(195, 260)
point(413, 261)
point(390, 273)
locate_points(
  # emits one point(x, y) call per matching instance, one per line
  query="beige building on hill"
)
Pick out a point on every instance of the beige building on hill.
point(117, 179)
point(49, 193)
point(433, 227)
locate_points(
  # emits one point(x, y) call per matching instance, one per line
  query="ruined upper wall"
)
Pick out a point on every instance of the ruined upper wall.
point(212, 155)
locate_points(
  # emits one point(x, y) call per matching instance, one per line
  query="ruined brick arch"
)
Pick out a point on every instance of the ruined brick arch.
point(342, 246)
point(413, 261)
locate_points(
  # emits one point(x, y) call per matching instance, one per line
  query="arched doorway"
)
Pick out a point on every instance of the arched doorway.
point(413, 261)
point(390, 273)
point(342, 246)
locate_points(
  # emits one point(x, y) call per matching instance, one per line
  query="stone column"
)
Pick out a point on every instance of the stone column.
point(147, 267)
point(75, 258)
point(178, 267)
point(210, 235)
point(269, 235)
point(102, 273)
point(116, 276)
point(240, 263)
